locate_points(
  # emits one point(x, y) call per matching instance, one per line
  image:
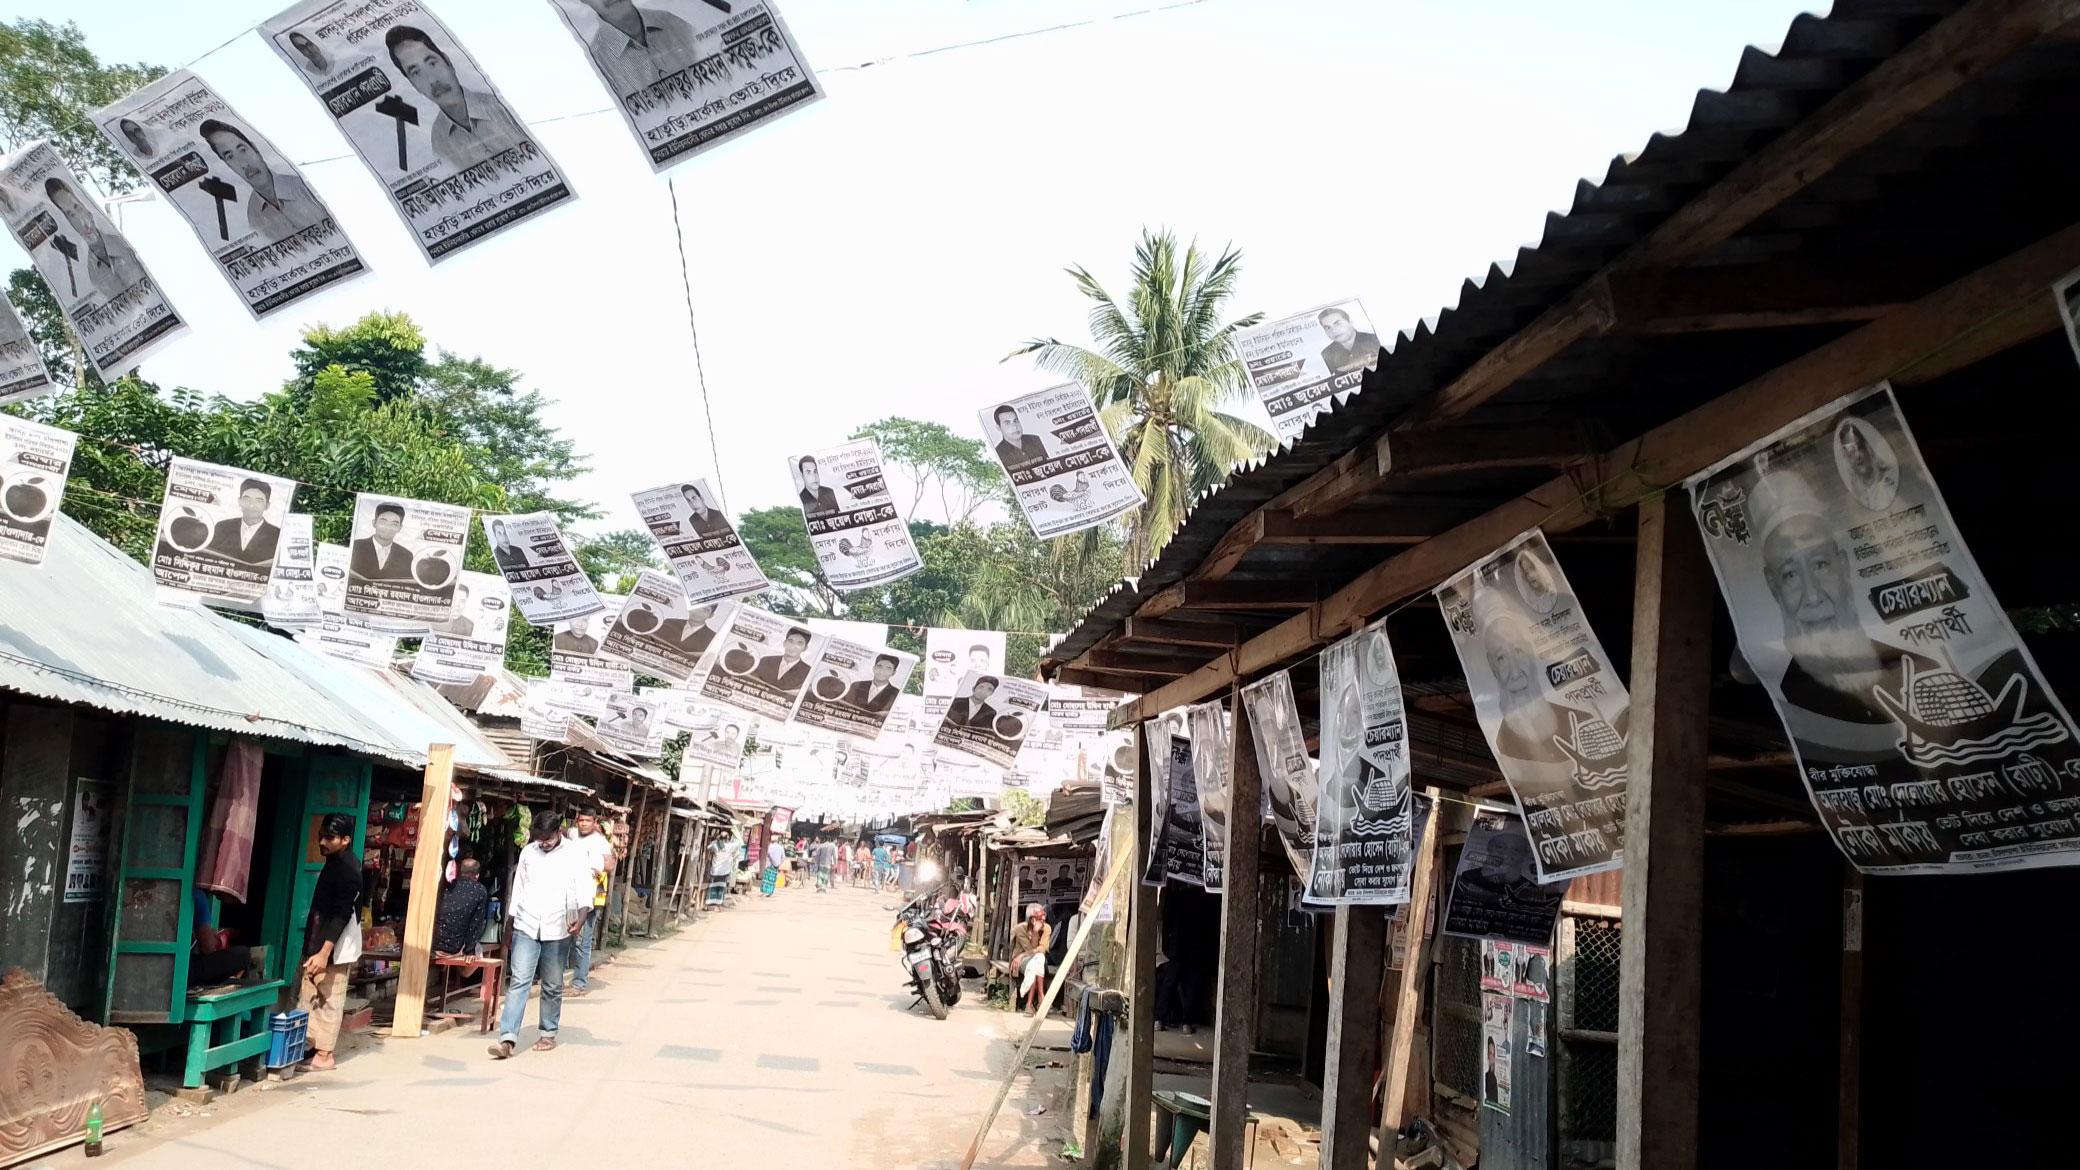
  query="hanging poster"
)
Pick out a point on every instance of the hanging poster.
point(271, 237)
point(631, 726)
point(949, 657)
point(86, 858)
point(292, 589)
point(22, 373)
point(1301, 366)
point(1288, 774)
point(34, 463)
point(855, 688)
point(549, 586)
point(1925, 732)
point(426, 121)
point(990, 716)
point(1498, 966)
point(699, 542)
point(1534, 971)
point(1555, 713)
point(577, 660)
point(2067, 293)
point(471, 644)
point(690, 74)
point(1495, 1049)
point(338, 633)
point(1101, 866)
point(1064, 470)
point(715, 735)
point(219, 531)
point(1180, 841)
point(1365, 823)
point(116, 310)
point(545, 713)
point(859, 537)
point(765, 664)
point(1495, 891)
point(406, 556)
point(1082, 716)
point(657, 632)
point(1210, 774)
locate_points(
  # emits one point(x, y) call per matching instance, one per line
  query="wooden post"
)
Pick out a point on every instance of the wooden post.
point(1144, 926)
point(657, 894)
point(1849, 1116)
point(1659, 967)
point(428, 859)
point(1235, 1018)
point(1408, 993)
point(1357, 973)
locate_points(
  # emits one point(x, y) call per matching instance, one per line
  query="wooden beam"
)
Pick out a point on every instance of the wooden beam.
point(1131, 662)
point(1962, 318)
point(1408, 992)
point(428, 857)
point(1357, 975)
point(1431, 451)
point(1348, 528)
point(1217, 635)
point(1077, 676)
point(1235, 1004)
point(1585, 314)
point(1353, 475)
point(1660, 973)
point(1144, 926)
point(1768, 296)
point(1221, 596)
point(1849, 1110)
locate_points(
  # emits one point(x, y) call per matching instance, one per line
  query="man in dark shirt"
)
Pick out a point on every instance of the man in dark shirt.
point(459, 922)
point(817, 500)
point(879, 693)
point(380, 556)
point(1348, 350)
point(1016, 448)
point(248, 540)
point(510, 556)
point(323, 988)
point(706, 521)
point(973, 709)
point(785, 671)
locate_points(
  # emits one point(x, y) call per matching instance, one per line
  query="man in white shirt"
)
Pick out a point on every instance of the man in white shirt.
point(637, 47)
point(776, 864)
point(598, 852)
point(552, 886)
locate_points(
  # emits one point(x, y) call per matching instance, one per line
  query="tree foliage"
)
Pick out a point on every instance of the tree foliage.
point(388, 347)
point(940, 462)
point(50, 82)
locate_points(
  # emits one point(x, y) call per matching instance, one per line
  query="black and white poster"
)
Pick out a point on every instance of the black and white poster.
point(951, 656)
point(1064, 470)
point(578, 660)
point(22, 373)
point(549, 586)
point(1180, 851)
point(545, 714)
point(1365, 819)
point(219, 531)
point(1495, 891)
point(990, 717)
point(658, 632)
point(292, 589)
point(1302, 366)
point(632, 726)
point(270, 235)
point(35, 461)
point(1287, 771)
point(339, 632)
point(691, 74)
point(1210, 773)
point(2067, 293)
point(116, 310)
point(859, 536)
point(405, 558)
point(1082, 717)
point(472, 643)
point(715, 735)
point(1496, 1009)
point(1554, 711)
point(764, 664)
point(855, 688)
point(699, 542)
point(1924, 729)
point(426, 121)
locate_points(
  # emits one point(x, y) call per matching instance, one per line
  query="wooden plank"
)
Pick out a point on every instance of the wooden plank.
point(429, 857)
point(1354, 474)
point(1660, 973)
point(1849, 1111)
point(1762, 296)
point(1077, 676)
point(1136, 663)
point(1357, 975)
point(1235, 1004)
point(1957, 319)
point(1144, 927)
point(1585, 314)
point(1219, 596)
point(1408, 990)
point(1216, 635)
point(1432, 451)
point(1361, 527)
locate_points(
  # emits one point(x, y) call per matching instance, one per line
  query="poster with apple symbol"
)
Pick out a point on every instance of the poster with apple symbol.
point(34, 461)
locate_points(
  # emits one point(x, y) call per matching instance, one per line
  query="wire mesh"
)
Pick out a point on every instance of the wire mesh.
point(1591, 1107)
point(1596, 944)
point(1455, 1028)
point(1589, 1068)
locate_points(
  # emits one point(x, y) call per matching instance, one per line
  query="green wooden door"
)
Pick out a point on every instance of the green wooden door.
point(331, 784)
point(155, 876)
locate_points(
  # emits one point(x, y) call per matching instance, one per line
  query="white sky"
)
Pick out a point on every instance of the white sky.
point(879, 252)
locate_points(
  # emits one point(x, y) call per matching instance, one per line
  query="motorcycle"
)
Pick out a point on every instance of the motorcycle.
point(931, 931)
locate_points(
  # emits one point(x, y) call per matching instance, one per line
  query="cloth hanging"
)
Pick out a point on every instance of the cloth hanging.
point(227, 845)
point(1093, 1034)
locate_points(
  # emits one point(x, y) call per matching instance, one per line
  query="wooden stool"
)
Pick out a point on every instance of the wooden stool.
point(1181, 1118)
point(490, 989)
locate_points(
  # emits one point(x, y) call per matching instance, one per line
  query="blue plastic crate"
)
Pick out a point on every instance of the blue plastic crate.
point(290, 1040)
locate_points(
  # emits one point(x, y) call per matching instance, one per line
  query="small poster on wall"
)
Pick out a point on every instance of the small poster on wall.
point(86, 859)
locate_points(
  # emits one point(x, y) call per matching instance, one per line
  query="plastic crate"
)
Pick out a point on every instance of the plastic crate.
point(290, 1039)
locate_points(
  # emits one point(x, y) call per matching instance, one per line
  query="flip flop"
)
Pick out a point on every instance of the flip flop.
point(503, 1050)
point(545, 1044)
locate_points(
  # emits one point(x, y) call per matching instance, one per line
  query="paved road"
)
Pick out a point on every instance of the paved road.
point(772, 1034)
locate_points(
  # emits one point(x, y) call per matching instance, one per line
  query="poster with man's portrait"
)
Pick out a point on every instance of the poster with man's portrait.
point(472, 643)
point(632, 726)
point(1555, 713)
point(268, 233)
point(404, 560)
point(953, 655)
point(35, 461)
point(549, 585)
point(1287, 770)
point(340, 633)
point(1495, 891)
point(220, 529)
point(855, 687)
point(1179, 852)
point(1365, 817)
point(1302, 366)
point(578, 659)
point(1924, 730)
point(1496, 1010)
point(422, 116)
point(699, 542)
point(764, 664)
point(23, 374)
point(859, 536)
point(990, 716)
point(716, 735)
point(1064, 470)
point(658, 633)
point(291, 602)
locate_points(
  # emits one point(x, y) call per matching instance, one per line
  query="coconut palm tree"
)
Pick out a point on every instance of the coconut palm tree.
point(1164, 373)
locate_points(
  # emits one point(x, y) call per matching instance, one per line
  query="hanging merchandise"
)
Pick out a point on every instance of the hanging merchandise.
point(471, 644)
point(859, 537)
point(219, 531)
point(116, 310)
point(426, 121)
point(547, 582)
point(1365, 815)
point(349, 637)
point(271, 237)
point(1210, 775)
point(1288, 773)
point(699, 542)
point(854, 688)
point(1304, 365)
point(657, 633)
point(35, 461)
point(291, 602)
point(22, 373)
point(764, 664)
point(1064, 470)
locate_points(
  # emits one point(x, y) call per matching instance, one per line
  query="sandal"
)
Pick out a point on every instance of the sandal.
point(503, 1050)
point(321, 1062)
point(545, 1044)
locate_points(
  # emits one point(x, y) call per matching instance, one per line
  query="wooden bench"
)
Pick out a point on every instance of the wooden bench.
point(228, 1025)
point(488, 991)
point(1181, 1118)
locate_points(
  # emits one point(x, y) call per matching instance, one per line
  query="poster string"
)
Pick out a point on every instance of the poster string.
point(699, 371)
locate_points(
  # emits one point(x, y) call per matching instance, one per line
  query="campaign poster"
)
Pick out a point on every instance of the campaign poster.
point(220, 529)
point(657, 632)
point(472, 643)
point(34, 463)
point(699, 542)
point(339, 632)
point(631, 726)
point(577, 659)
point(715, 735)
point(1365, 817)
point(116, 310)
point(1495, 891)
point(1534, 973)
point(271, 237)
point(545, 712)
point(1083, 716)
point(764, 664)
point(22, 373)
point(292, 589)
point(949, 657)
point(86, 855)
point(548, 584)
point(990, 716)
point(1554, 711)
point(2066, 292)
point(1180, 848)
point(1924, 730)
point(691, 74)
point(1302, 366)
point(1496, 1008)
point(859, 536)
point(855, 687)
point(1210, 774)
point(1064, 470)
point(1498, 966)
point(1282, 760)
point(404, 560)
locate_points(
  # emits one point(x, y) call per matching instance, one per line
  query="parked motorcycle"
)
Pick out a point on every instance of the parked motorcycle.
point(931, 931)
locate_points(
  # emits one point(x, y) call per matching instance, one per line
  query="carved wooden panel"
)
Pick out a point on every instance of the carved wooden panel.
point(53, 1067)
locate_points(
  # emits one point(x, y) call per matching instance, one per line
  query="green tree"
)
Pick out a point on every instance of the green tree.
point(484, 406)
point(938, 461)
point(50, 82)
point(779, 540)
point(388, 347)
point(612, 559)
point(1163, 370)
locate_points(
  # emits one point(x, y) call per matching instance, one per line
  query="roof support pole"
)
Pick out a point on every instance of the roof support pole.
point(1235, 1015)
point(1357, 973)
point(1143, 925)
point(1408, 991)
point(428, 859)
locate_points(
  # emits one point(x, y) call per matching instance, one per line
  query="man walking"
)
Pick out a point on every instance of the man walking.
point(884, 867)
point(598, 852)
point(776, 864)
point(824, 857)
point(552, 886)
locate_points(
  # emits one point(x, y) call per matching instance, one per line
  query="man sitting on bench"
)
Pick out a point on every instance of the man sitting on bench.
point(1030, 941)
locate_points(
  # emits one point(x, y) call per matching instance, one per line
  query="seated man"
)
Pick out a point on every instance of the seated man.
point(211, 962)
point(1030, 942)
point(458, 923)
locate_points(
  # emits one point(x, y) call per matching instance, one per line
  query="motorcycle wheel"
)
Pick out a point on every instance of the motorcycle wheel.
point(951, 994)
point(932, 1002)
